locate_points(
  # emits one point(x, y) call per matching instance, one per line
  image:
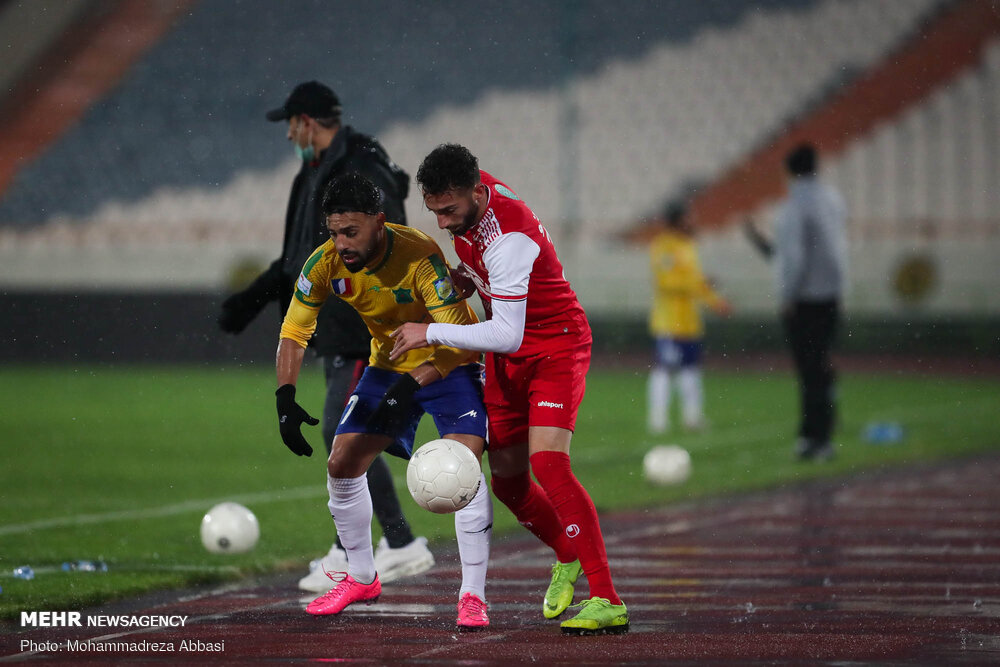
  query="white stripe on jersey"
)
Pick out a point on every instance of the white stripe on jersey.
point(488, 230)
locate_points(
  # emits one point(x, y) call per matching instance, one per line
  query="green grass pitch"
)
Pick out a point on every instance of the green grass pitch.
point(120, 463)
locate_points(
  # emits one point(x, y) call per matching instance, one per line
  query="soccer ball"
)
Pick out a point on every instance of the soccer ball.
point(667, 464)
point(443, 476)
point(229, 528)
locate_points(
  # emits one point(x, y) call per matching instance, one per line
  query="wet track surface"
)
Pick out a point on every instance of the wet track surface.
point(899, 567)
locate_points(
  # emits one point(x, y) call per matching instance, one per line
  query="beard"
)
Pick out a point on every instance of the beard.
point(354, 262)
point(469, 221)
point(358, 258)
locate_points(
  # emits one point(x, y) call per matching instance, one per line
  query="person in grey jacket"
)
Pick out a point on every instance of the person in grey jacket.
point(327, 150)
point(810, 261)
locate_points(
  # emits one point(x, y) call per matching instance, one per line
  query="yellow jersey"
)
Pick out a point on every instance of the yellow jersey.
point(679, 287)
point(410, 283)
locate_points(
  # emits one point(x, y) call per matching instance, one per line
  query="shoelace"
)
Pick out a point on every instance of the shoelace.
point(317, 563)
point(337, 590)
point(473, 605)
point(592, 601)
point(561, 575)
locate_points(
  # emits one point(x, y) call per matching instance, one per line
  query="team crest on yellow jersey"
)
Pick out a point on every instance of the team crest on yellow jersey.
point(403, 295)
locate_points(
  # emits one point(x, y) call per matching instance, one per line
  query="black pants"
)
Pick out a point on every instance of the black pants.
point(342, 375)
point(810, 328)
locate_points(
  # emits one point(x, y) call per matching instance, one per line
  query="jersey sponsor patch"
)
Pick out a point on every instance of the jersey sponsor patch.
point(505, 191)
point(304, 285)
point(444, 288)
point(341, 286)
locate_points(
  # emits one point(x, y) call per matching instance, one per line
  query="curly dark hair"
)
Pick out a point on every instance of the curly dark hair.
point(351, 193)
point(448, 167)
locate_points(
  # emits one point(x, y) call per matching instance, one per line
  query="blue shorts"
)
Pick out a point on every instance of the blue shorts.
point(455, 403)
point(674, 352)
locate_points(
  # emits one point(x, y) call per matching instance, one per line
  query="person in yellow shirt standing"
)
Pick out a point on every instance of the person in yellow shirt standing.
point(675, 322)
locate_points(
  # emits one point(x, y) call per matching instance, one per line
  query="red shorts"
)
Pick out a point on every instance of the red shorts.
point(538, 390)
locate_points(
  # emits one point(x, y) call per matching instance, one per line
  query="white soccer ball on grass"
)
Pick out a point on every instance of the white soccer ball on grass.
point(443, 476)
point(667, 464)
point(229, 528)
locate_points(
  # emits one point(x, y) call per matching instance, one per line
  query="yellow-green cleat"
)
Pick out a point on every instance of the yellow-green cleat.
point(560, 592)
point(598, 617)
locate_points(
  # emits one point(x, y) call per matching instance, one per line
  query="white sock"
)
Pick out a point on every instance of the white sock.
point(473, 528)
point(689, 382)
point(658, 399)
point(351, 508)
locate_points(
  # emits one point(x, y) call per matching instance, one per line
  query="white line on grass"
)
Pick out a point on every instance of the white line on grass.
point(298, 493)
point(720, 439)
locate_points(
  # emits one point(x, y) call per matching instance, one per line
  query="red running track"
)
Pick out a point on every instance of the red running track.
point(899, 567)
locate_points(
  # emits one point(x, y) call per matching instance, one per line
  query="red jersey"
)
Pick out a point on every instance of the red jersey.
point(552, 305)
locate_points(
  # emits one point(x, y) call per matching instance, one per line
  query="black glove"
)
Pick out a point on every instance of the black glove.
point(290, 418)
point(237, 312)
point(239, 309)
point(394, 411)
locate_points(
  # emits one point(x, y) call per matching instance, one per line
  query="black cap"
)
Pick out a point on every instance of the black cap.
point(311, 98)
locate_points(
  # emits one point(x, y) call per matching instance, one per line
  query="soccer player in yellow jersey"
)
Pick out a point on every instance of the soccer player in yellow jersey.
point(679, 290)
point(390, 274)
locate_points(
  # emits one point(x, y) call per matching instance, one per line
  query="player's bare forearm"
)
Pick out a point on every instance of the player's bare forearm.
point(409, 336)
point(288, 361)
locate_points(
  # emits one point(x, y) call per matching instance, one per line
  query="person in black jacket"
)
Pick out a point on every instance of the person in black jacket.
point(328, 150)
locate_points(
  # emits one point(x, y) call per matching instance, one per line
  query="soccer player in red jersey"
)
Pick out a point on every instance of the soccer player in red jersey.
point(538, 343)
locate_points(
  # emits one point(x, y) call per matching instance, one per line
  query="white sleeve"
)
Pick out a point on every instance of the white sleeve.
point(508, 260)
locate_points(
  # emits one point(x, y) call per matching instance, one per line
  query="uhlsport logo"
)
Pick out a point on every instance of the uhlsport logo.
point(549, 404)
point(572, 530)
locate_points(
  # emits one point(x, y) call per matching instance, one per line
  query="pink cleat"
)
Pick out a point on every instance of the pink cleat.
point(472, 613)
point(347, 591)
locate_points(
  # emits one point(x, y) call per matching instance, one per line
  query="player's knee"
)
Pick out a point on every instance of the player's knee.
point(339, 465)
point(551, 468)
point(511, 491)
